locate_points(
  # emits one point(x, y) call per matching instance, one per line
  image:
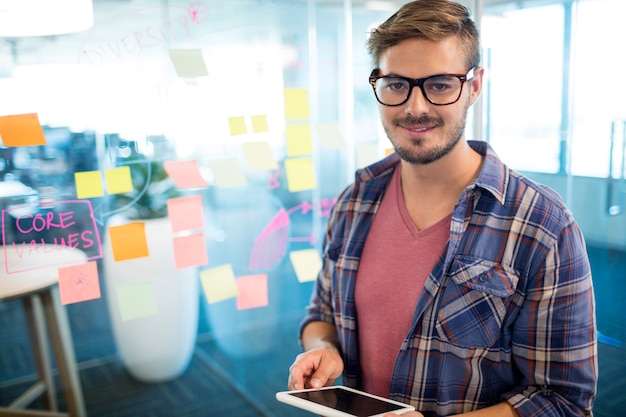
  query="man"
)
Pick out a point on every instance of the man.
point(449, 281)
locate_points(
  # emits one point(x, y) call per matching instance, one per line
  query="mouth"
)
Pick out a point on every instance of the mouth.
point(420, 125)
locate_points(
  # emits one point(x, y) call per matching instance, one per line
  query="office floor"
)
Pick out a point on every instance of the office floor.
point(221, 384)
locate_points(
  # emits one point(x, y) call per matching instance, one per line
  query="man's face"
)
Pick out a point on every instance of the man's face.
point(422, 132)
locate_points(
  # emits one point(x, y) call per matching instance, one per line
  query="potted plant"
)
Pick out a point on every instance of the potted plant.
point(152, 305)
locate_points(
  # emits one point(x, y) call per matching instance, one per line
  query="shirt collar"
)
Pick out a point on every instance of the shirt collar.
point(493, 176)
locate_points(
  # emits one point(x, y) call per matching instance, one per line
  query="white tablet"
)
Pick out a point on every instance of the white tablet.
point(340, 401)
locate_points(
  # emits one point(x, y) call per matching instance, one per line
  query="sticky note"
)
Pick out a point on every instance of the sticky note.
point(79, 283)
point(88, 184)
point(21, 130)
point(128, 241)
point(188, 63)
point(136, 300)
point(330, 135)
point(190, 251)
point(237, 126)
point(227, 173)
point(366, 153)
point(306, 263)
point(185, 174)
point(118, 180)
point(296, 104)
point(252, 291)
point(219, 283)
point(259, 123)
point(185, 213)
point(298, 140)
point(259, 156)
point(300, 174)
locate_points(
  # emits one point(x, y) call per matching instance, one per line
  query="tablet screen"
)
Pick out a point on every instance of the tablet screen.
point(348, 402)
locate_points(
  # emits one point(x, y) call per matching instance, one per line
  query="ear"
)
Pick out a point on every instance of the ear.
point(476, 84)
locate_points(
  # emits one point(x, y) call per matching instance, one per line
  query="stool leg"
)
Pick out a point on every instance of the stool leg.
point(58, 329)
point(37, 334)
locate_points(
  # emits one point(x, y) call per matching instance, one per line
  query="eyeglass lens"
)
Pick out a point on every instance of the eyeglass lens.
point(438, 89)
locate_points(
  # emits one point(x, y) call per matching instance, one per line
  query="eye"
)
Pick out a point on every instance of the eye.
point(393, 85)
point(441, 84)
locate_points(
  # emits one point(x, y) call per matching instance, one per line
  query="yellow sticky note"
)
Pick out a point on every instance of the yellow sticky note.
point(366, 154)
point(185, 213)
point(79, 283)
point(296, 104)
point(227, 173)
point(298, 140)
point(237, 125)
point(306, 263)
point(330, 135)
point(128, 241)
point(252, 292)
point(185, 174)
point(259, 124)
point(21, 130)
point(88, 184)
point(219, 283)
point(190, 251)
point(300, 174)
point(259, 156)
point(118, 180)
point(136, 300)
point(188, 63)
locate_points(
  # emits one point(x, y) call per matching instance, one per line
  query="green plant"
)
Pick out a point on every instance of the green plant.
point(152, 187)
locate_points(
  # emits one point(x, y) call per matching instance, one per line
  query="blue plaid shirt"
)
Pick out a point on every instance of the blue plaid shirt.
point(507, 313)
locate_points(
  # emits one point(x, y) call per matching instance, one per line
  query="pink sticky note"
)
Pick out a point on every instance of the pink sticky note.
point(185, 213)
point(190, 251)
point(252, 291)
point(185, 174)
point(79, 283)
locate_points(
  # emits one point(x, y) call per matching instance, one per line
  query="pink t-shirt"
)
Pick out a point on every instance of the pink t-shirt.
point(396, 261)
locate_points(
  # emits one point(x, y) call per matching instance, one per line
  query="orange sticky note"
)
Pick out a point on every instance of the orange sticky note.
point(128, 241)
point(252, 292)
point(190, 251)
point(185, 174)
point(79, 283)
point(185, 213)
point(21, 130)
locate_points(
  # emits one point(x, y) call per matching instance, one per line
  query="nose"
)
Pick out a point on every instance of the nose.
point(417, 103)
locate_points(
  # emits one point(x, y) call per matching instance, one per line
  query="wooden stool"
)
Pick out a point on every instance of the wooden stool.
point(36, 284)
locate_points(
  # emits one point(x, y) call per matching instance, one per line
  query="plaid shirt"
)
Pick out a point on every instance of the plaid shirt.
point(507, 313)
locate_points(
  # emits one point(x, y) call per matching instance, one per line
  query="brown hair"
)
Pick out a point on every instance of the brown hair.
point(430, 19)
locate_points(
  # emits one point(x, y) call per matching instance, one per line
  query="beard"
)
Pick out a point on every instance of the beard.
point(415, 153)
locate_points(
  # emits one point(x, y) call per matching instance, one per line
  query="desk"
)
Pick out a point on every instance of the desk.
point(35, 282)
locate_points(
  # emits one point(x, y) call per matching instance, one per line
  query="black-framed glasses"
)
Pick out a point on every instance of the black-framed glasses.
point(440, 89)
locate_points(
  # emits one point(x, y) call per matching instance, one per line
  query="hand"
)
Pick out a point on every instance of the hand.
point(315, 368)
point(407, 414)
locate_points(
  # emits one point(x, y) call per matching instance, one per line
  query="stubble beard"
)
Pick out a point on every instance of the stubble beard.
point(415, 153)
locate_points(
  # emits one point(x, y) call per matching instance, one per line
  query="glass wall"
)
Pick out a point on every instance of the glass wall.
point(549, 117)
point(202, 145)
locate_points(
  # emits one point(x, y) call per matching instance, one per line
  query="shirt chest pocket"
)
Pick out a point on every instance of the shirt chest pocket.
point(475, 302)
